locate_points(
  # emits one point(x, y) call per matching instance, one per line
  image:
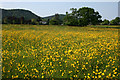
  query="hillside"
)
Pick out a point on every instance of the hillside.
point(50, 17)
point(28, 15)
point(21, 16)
point(18, 13)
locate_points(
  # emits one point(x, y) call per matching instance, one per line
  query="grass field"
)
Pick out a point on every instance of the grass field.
point(34, 51)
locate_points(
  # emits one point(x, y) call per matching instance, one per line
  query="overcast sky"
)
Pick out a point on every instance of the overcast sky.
point(108, 10)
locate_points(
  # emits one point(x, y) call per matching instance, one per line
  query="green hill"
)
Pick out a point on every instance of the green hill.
point(18, 13)
point(18, 16)
point(50, 17)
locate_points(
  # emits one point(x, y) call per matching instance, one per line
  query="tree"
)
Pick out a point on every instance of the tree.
point(105, 22)
point(38, 20)
point(5, 20)
point(115, 21)
point(82, 17)
point(48, 21)
point(33, 21)
point(10, 20)
point(70, 20)
point(22, 20)
point(55, 20)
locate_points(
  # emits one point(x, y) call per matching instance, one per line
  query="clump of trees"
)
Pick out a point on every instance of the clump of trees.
point(115, 21)
point(21, 20)
point(82, 17)
point(13, 20)
point(105, 22)
point(55, 20)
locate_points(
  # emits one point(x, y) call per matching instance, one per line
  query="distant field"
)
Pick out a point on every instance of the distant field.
point(37, 51)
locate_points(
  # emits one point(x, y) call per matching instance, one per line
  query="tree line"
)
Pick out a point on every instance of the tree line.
point(115, 21)
point(78, 17)
point(21, 20)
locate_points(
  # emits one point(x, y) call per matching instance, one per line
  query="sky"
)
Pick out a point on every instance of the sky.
point(119, 9)
point(59, 0)
point(108, 10)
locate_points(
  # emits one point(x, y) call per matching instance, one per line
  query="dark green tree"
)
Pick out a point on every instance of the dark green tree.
point(48, 21)
point(70, 19)
point(22, 20)
point(5, 20)
point(10, 20)
point(82, 17)
point(115, 21)
point(105, 22)
point(55, 20)
point(38, 20)
point(33, 21)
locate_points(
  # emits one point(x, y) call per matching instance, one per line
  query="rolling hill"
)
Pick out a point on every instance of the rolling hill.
point(17, 16)
point(50, 17)
point(18, 13)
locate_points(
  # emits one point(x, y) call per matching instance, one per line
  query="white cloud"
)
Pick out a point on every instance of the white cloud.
point(59, 0)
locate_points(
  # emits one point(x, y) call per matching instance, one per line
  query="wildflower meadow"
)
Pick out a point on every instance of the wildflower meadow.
point(42, 51)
